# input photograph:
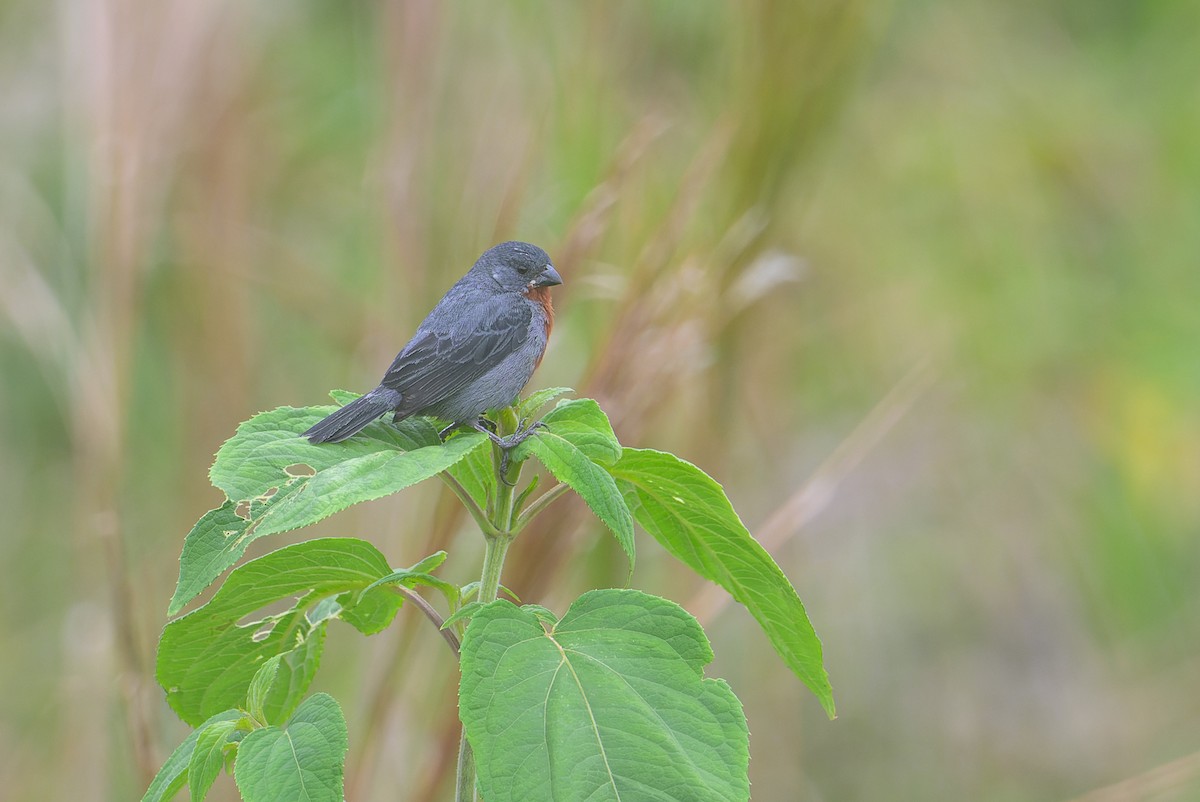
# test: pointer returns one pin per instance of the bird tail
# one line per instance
(354, 417)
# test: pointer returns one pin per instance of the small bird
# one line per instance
(474, 352)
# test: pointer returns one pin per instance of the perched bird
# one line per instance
(473, 352)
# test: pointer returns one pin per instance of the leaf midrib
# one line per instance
(612, 780)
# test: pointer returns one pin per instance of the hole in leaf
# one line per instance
(263, 632)
(267, 495)
(268, 613)
(242, 510)
(300, 469)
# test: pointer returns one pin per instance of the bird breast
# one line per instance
(541, 296)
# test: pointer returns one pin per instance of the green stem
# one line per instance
(493, 563)
(540, 503)
(478, 514)
(464, 788)
(498, 535)
(495, 549)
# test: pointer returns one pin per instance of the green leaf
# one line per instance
(471, 589)
(174, 772)
(688, 513)
(208, 757)
(275, 480)
(466, 611)
(410, 579)
(524, 495)
(529, 407)
(213, 545)
(578, 446)
(207, 658)
(429, 564)
(608, 704)
(419, 575)
(297, 667)
(584, 425)
(344, 397)
(477, 474)
(260, 685)
(544, 614)
(301, 761)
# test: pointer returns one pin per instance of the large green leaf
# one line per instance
(302, 761)
(578, 446)
(207, 658)
(174, 772)
(689, 514)
(275, 480)
(609, 703)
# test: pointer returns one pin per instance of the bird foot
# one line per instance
(508, 443)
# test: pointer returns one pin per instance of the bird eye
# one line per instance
(523, 269)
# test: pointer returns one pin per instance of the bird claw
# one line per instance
(507, 444)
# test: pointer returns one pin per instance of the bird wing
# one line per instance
(440, 361)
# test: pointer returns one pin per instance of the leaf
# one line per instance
(419, 575)
(301, 761)
(344, 397)
(688, 513)
(471, 589)
(174, 771)
(578, 446)
(410, 579)
(466, 611)
(207, 658)
(260, 685)
(609, 704)
(477, 474)
(275, 481)
(297, 667)
(213, 545)
(208, 757)
(524, 495)
(529, 407)
(582, 423)
(429, 564)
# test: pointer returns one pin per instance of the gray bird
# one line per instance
(474, 352)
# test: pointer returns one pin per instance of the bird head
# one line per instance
(518, 267)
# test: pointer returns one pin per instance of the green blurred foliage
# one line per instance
(917, 280)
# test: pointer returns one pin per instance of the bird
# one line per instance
(473, 352)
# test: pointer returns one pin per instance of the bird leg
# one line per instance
(489, 428)
(507, 444)
(442, 434)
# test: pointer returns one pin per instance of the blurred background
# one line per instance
(917, 281)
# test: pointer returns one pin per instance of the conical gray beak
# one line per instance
(548, 278)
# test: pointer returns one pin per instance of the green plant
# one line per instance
(609, 696)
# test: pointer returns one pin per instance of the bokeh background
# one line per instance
(918, 281)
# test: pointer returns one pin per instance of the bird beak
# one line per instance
(548, 277)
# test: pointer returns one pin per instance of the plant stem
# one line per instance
(498, 535)
(493, 563)
(464, 785)
(540, 503)
(430, 613)
(495, 548)
(478, 514)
